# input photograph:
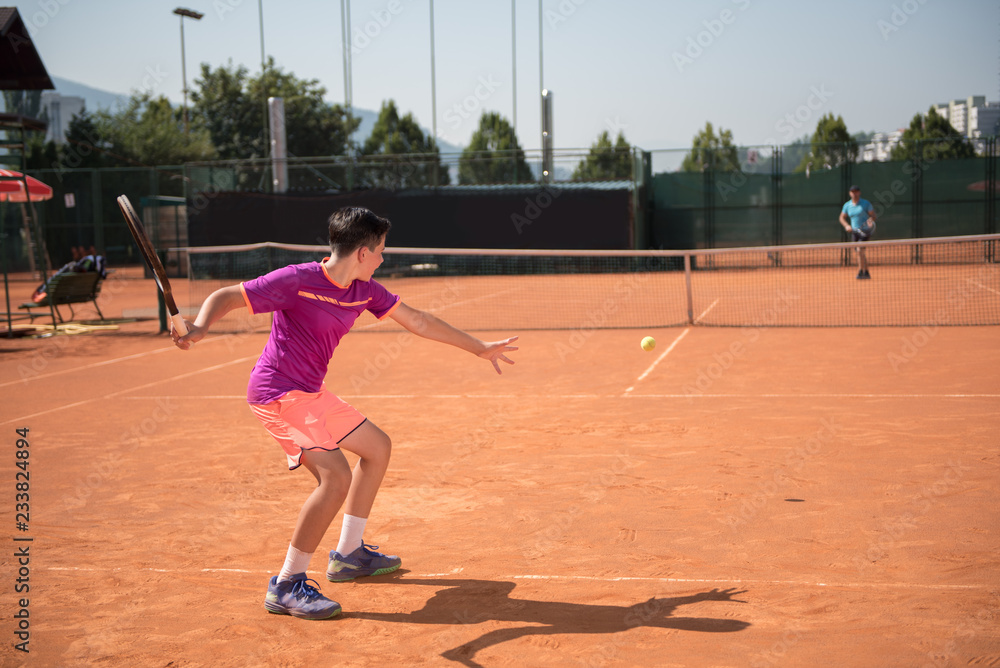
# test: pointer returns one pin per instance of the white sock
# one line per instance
(351, 534)
(296, 561)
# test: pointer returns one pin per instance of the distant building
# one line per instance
(972, 117)
(984, 121)
(59, 110)
(880, 147)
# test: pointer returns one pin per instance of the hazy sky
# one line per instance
(655, 70)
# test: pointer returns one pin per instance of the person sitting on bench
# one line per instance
(81, 263)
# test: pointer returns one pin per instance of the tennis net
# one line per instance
(940, 281)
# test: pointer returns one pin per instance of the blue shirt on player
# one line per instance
(858, 213)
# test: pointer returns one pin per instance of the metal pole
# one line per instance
(343, 42)
(541, 68)
(263, 70)
(350, 59)
(434, 116)
(513, 51)
(687, 284)
(185, 13)
(433, 80)
(184, 76)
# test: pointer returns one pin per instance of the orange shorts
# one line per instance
(308, 421)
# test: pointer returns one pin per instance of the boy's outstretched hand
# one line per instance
(495, 352)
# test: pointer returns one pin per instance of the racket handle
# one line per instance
(178, 322)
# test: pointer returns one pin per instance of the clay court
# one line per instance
(762, 496)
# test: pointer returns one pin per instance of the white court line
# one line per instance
(535, 397)
(818, 396)
(87, 366)
(658, 360)
(107, 362)
(132, 389)
(977, 283)
(588, 578)
(705, 312)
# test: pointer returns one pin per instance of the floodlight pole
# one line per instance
(433, 80)
(345, 31)
(541, 85)
(185, 13)
(513, 51)
(263, 71)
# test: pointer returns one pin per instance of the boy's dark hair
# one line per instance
(353, 227)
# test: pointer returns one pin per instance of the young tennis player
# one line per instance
(857, 217)
(314, 306)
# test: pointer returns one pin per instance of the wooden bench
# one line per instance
(68, 289)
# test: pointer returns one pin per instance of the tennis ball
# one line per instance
(648, 343)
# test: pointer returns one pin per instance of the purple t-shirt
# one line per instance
(311, 315)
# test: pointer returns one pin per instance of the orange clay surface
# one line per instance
(755, 497)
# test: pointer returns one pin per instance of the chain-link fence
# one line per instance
(742, 196)
(767, 195)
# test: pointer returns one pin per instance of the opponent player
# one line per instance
(314, 305)
(857, 217)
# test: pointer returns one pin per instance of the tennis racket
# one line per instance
(151, 258)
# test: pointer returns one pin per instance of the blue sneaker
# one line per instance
(363, 561)
(298, 598)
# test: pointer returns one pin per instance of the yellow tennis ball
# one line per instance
(648, 343)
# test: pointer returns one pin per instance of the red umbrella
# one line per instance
(13, 191)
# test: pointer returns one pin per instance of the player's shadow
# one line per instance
(464, 602)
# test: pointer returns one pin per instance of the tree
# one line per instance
(40, 154)
(709, 151)
(234, 121)
(23, 102)
(932, 138)
(493, 154)
(402, 155)
(149, 131)
(84, 146)
(231, 105)
(831, 145)
(606, 162)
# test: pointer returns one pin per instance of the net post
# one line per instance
(687, 281)
(161, 304)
